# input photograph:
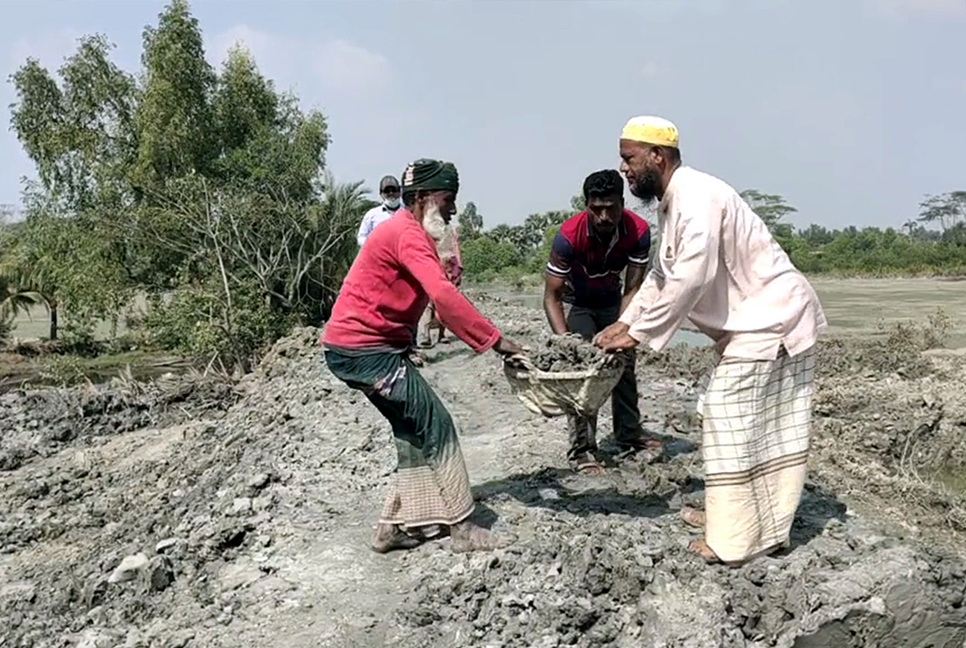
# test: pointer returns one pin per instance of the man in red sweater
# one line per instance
(367, 342)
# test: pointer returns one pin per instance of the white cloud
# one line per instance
(899, 9)
(50, 49)
(338, 66)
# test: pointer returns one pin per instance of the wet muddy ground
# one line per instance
(187, 513)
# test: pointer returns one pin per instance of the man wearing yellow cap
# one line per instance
(719, 267)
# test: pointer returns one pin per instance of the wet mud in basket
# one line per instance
(564, 353)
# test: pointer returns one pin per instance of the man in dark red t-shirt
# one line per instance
(587, 258)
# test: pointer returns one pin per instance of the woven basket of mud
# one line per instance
(566, 376)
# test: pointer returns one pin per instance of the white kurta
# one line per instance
(719, 267)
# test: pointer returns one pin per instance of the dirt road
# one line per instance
(184, 514)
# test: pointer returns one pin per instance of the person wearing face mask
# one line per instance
(367, 342)
(389, 192)
(588, 255)
(719, 267)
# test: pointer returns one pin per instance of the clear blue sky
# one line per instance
(852, 109)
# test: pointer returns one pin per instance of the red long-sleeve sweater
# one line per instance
(388, 287)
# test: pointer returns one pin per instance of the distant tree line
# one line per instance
(205, 191)
(934, 243)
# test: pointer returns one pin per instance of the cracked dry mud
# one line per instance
(182, 514)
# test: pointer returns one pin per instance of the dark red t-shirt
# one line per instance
(592, 266)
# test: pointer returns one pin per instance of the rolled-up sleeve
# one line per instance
(664, 305)
(561, 257)
(417, 256)
(641, 252)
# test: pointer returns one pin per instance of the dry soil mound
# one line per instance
(240, 517)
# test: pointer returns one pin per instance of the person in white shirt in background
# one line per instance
(719, 267)
(389, 192)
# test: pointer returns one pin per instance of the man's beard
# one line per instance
(434, 223)
(646, 186)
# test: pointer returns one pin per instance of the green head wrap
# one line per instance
(430, 175)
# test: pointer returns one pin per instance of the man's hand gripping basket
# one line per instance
(555, 393)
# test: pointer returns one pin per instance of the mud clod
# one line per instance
(567, 353)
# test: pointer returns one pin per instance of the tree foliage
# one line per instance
(206, 189)
(933, 243)
(509, 250)
(470, 222)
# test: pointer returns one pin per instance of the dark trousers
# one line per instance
(587, 322)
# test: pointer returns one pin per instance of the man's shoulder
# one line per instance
(692, 179)
(636, 225)
(571, 228)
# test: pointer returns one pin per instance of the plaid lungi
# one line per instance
(756, 417)
(431, 486)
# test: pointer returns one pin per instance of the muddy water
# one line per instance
(856, 305)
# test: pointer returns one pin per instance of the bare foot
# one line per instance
(700, 547)
(389, 537)
(470, 537)
(693, 517)
(417, 358)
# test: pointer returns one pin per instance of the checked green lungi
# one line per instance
(431, 485)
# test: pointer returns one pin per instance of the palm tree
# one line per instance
(341, 210)
(22, 288)
(13, 302)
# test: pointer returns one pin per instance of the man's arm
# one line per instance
(558, 268)
(689, 273)
(636, 262)
(553, 287)
(633, 279)
(418, 256)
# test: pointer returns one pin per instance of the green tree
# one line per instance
(175, 127)
(266, 141)
(253, 264)
(771, 208)
(470, 222)
(207, 187)
(535, 227)
(947, 210)
(80, 133)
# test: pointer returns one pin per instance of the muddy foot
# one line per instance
(700, 547)
(693, 517)
(389, 537)
(470, 537)
(417, 358)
